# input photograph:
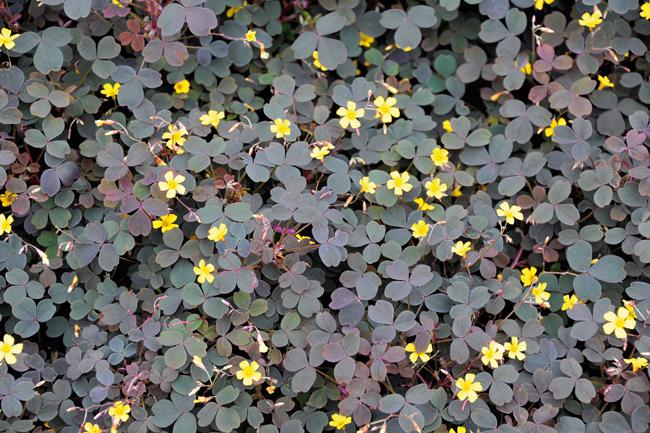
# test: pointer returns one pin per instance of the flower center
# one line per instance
(384, 109)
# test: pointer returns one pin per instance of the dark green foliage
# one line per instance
(292, 216)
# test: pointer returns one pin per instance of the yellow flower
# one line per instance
(9, 350)
(317, 62)
(198, 361)
(386, 109)
(111, 90)
(420, 229)
(120, 411)
(339, 421)
(251, 36)
(235, 10)
(365, 40)
(631, 307)
(422, 205)
(550, 130)
(248, 373)
(637, 363)
(460, 429)
(591, 20)
(528, 276)
(457, 191)
(321, 152)
(540, 293)
(182, 86)
(539, 4)
(92, 428)
(218, 234)
(7, 39)
(510, 213)
(212, 118)
(5, 223)
(446, 125)
(461, 248)
(7, 198)
(645, 11)
(436, 189)
(604, 82)
(617, 322)
(399, 182)
(527, 69)
(300, 237)
(468, 388)
(515, 348)
(492, 354)
(175, 137)
(415, 355)
(439, 156)
(349, 116)
(270, 389)
(204, 272)
(281, 127)
(172, 184)
(367, 185)
(165, 223)
(569, 302)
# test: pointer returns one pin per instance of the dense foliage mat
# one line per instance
(300, 216)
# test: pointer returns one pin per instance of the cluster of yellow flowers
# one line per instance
(204, 271)
(385, 110)
(119, 413)
(494, 351)
(399, 183)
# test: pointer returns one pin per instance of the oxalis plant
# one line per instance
(333, 216)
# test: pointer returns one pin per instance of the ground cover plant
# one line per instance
(343, 215)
